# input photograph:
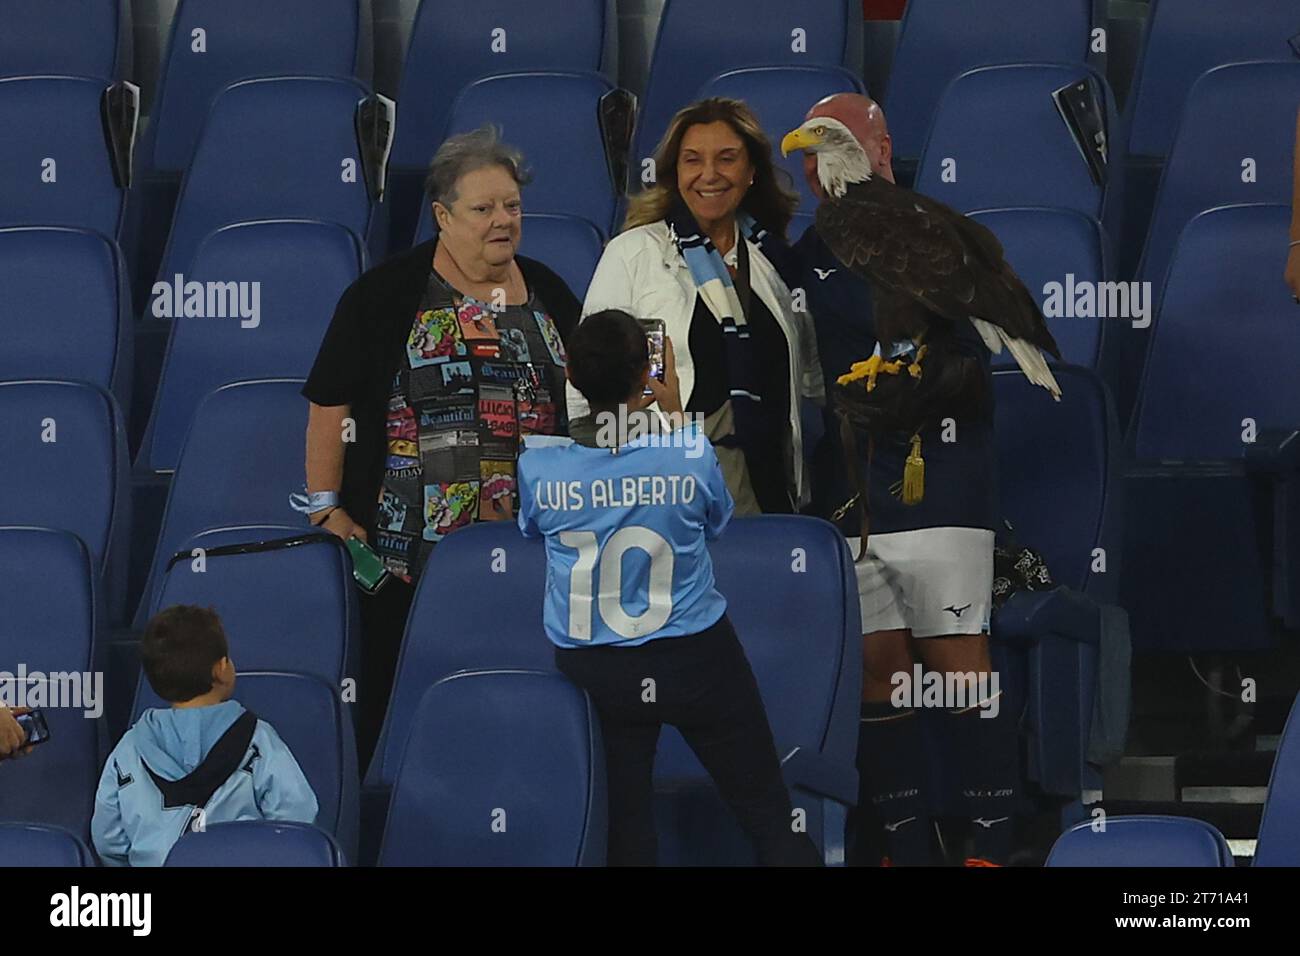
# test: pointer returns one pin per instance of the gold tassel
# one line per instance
(914, 474)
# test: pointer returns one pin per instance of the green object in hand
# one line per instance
(366, 566)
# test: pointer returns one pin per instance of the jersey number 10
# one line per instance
(610, 602)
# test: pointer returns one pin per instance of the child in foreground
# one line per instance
(203, 760)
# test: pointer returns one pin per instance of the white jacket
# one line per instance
(643, 273)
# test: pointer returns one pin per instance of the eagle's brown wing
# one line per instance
(913, 246)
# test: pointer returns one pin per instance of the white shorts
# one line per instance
(935, 582)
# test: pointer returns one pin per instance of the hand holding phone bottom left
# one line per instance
(20, 731)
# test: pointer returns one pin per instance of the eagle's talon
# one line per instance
(869, 369)
(914, 369)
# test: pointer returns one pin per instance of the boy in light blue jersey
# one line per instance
(631, 598)
(203, 760)
(646, 512)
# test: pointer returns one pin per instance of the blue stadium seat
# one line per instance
(502, 768)
(29, 844)
(65, 466)
(775, 32)
(811, 697)
(438, 644)
(1142, 841)
(554, 119)
(291, 607)
(215, 43)
(1048, 246)
(568, 245)
(279, 148)
(802, 635)
(1224, 281)
(47, 626)
(1191, 439)
(311, 719)
(66, 313)
(1279, 830)
(257, 843)
(779, 97)
(1010, 145)
(66, 37)
(455, 42)
(1184, 39)
(1242, 111)
(571, 247)
(298, 270)
(243, 455)
(1062, 498)
(57, 171)
(941, 39)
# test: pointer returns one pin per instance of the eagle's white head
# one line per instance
(840, 159)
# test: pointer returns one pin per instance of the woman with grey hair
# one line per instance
(434, 367)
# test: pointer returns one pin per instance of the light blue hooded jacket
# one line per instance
(132, 828)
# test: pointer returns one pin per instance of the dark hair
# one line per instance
(607, 357)
(771, 200)
(180, 646)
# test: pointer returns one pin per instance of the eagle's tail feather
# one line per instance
(1026, 354)
(990, 333)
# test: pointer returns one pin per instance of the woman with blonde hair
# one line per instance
(699, 251)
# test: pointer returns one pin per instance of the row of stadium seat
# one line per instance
(215, 44)
(454, 42)
(1020, 157)
(811, 684)
(287, 148)
(1063, 497)
(229, 489)
(1183, 420)
(996, 141)
(518, 752)
(1125, 841)
(502, 768)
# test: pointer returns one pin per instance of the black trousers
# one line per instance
(703, 686)
(383, 622)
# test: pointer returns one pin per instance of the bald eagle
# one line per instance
(927, 263)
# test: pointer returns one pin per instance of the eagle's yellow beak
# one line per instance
(798, 139)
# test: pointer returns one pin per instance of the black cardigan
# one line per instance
(365, 344)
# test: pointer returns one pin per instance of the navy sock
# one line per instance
(990, 771)
(891, 755)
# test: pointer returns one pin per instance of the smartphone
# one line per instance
(33, 725)
(654, 334)
(367, 568)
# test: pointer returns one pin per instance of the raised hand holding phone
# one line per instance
(667, 393)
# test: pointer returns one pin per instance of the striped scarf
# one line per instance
(715, 287)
